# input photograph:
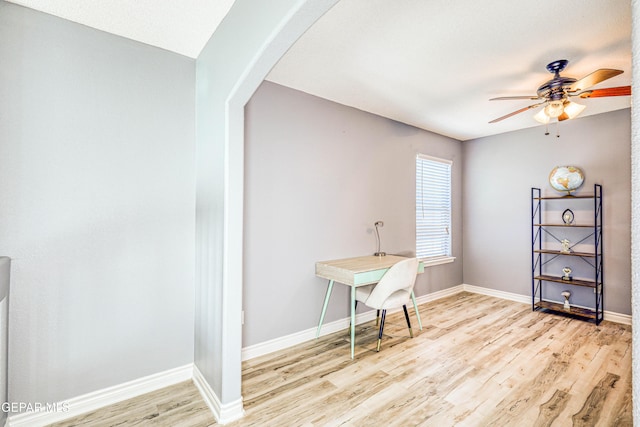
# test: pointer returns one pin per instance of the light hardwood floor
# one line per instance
(479, 361)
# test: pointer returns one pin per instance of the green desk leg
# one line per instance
(353, 320)
(415, 306)
(324, 307)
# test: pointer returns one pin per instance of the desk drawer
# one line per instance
(374, 276)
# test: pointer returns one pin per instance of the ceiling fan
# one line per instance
(556, 92)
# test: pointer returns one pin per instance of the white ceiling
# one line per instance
(433, 64)
(182, 26)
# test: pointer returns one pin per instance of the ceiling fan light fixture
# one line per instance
(554, 109)
(573, 109)
(542, 117)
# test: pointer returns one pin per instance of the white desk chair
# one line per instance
(392, 291)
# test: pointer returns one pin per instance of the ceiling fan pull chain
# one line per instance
(546, 128)
(557, 129)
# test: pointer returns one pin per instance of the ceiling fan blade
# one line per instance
(611, 91)
(505, 98)
(516, 112)
(594, 78)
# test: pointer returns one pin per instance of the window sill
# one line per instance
(430, 262)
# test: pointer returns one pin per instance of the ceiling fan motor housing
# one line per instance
(554, 89)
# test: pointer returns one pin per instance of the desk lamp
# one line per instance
(378, 224)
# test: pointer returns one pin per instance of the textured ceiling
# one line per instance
(182, 26)
(433, 64)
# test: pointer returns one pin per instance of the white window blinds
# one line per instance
(433, 207)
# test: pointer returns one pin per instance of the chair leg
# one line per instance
(384, 314)
(377, 317)
(406, 316)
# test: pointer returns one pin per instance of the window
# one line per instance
(433, 210)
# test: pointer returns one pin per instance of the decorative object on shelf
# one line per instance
(567, 274)
(566, 246)
(379, 224)
(566, 178)
(567, 217)
(566, 295)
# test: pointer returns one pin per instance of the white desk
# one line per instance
(354, 272)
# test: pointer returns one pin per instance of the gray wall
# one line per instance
(317, 176)
(97, 208)
(498, 175)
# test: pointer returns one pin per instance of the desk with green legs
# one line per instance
(354, 272)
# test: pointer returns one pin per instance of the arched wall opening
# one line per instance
(227, 78)
(247, 44)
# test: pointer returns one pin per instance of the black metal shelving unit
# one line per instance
(540, 256)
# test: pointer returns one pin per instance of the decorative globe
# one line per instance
(566, 178)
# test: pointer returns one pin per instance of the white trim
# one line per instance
(433, 261)
(105, 397)
(435, 159)
(498, 294)
(223, 413)
(611, 316)
(439, 294)
(296, 338)
(287, 341)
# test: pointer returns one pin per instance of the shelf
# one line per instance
(566, 225)
(558, 279)
(544, 275)
(584, 313)
(582, 196)
(580, 254)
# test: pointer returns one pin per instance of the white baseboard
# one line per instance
(286, 341)
(610, 316)
(440, 294)
(223, 413)
(281, 343)
(526, 299)
(625, 319)
(98, 399)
